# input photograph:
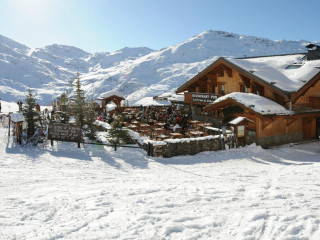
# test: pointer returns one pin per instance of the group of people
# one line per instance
(173, 117)
(106, 117)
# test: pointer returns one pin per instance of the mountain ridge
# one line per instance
(135, 72)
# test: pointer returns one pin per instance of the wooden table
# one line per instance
(159, 130)
(133, 127)
(196, 133)
(176, 135)
(162, 137)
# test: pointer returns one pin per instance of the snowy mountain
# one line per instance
(135, 72)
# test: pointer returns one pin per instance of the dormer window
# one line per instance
(294, 66)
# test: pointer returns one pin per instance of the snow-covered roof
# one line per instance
(148, 101)
(176, 98)
(274, 69)
(111, 93)
(255, 102)
(238, 120)
(165, 95)
(17, 117)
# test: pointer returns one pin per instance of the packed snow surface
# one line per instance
(62, 192)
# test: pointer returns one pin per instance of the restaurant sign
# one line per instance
(203, 97)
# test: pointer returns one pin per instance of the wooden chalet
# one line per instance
(290, 83)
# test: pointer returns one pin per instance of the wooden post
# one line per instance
(18, 132)
(115, 146)
(9, 124)
(51, 142)
(149, 149)
(78, 144)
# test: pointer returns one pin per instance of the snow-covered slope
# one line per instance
(63, 192)
(136, 72)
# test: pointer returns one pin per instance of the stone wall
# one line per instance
(217, 122)
(251, 137)
(280, 139)
(185, 146)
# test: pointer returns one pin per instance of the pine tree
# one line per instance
(79, 108)
(63, 114)
(117, 134)
(30, 114)
(90, 120)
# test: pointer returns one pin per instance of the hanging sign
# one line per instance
(203, 97)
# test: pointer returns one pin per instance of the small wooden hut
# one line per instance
(17, 119)
(111, 96)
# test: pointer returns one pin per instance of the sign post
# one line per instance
(65, 132)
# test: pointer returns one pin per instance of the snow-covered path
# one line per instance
(63, 192)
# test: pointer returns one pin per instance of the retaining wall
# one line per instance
(185, 146)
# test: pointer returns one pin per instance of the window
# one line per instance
(243, 88)
(258, 89)
(222, 89)
(213, 88)
(294, 66)
(221, 73)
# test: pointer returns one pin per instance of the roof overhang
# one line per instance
(306, 87)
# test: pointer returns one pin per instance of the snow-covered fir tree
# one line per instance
(90, 120)
(117, 134)
(63, 113)
(29, 111)
(79, 106)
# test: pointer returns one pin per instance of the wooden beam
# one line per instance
(290, 121)
(266, 122)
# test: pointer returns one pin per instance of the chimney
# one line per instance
(313, 52)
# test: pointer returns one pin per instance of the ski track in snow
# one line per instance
(63, 192)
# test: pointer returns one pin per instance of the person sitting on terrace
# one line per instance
(176, 128)
(100, 118)
(166, 125)
(179, 119)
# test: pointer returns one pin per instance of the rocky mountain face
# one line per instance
(135, 72)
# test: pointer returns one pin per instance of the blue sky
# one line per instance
(109, 25)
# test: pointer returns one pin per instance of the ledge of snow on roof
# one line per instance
(111, 93)
(257, 103)
(238, 120)
(149, 101)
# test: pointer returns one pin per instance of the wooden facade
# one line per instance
(223, 77)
